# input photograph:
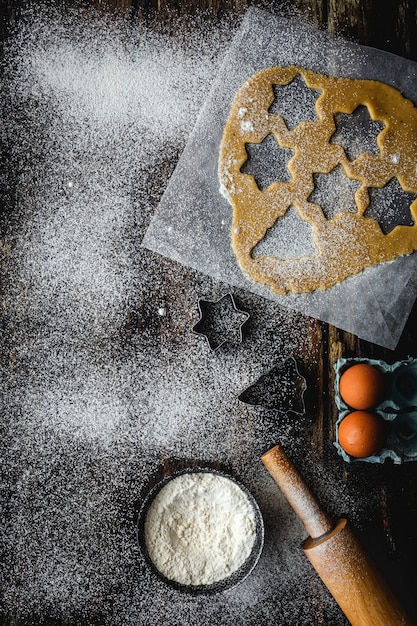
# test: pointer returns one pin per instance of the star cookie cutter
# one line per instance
(282, 388)
(220, 321)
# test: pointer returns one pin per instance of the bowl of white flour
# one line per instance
(200, 531)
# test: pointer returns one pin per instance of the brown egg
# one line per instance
(362, 386)
(362, 434)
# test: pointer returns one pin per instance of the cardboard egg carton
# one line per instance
(398, 409)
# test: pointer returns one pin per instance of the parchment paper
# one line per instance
(193, 221)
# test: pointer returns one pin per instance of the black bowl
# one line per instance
(226, 583)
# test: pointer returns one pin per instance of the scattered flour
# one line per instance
(97, 384)
(246, 126)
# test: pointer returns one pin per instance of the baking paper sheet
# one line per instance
(193, 221)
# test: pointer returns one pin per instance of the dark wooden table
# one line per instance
(389, 527)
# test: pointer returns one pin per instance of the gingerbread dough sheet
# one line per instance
(349, 241)
(194, 222)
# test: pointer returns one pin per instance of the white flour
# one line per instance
(101, 374)
(200, 528)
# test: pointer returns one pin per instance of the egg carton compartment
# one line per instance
(400, 383)
(387, 452)
(402, 436)
(398, 410)
(401, 440)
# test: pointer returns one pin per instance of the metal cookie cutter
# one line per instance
(220, 321)
(281, 388)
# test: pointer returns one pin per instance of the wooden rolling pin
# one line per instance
(336, 555)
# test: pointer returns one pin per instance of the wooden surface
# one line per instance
(391, 534)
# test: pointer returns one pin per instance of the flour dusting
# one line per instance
(101, 374)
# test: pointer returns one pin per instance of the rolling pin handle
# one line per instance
(336, 555)
(298, 494)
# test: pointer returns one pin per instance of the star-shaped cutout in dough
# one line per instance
(220, 321)
(334, 192)
(390, 206)
(356, 132)
(282, 388)
(295, 102)
(267, 162)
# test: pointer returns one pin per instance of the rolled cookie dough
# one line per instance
(349, 241)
